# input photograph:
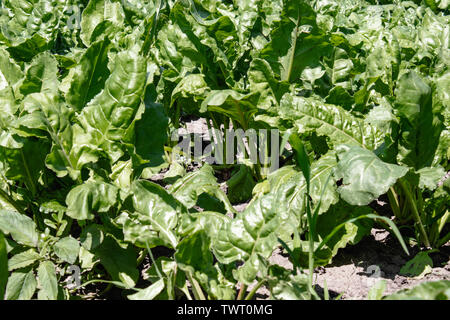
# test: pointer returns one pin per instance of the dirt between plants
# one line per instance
(355, 269)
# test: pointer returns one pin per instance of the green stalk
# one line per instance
(443, 220)
(311, 252)
(252, 293)
(326, 294)
(393, 201)
(242, 292)
(187, 293)
(116, 283)
(196, 289)
(415, 212)
(154, 261)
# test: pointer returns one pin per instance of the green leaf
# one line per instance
(350, 234)
(47, 280)
(26, 164)
(364, 176)
(22, 228)
(155, 218)
(284, 285)
(289, 185)
(433, 290)
(96, 12)
(419, 266)
(262, 79)
(212, 43)
(150, 292)
(92, 236)
(237, 106)
(188, 189)
(377, 290)
(23, 259)
(429, 177)
(41, 75)
(250, 237)
(89, 198)
(89, 75)
(70, 149)
(10, 71)
(189, 92)
(420, 124)
(30, 28)
(296, 42)
(240, 185)
(108, 117)
(207, 221)
(371, 216)
(67, 249)
(21, 285)
(3, 266)
(194, 257)
(87, 259)
(119, 262)
(151, 133)
(339, 125)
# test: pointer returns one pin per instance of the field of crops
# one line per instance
(234, 149)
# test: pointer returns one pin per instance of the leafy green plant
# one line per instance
(92, 91)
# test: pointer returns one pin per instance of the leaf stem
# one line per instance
(252, 293)
(393, 201)
(196, 289)
(242, 292)
(415, 212)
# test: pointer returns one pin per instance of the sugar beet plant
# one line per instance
(92, 91)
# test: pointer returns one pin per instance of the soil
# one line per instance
(357, 268)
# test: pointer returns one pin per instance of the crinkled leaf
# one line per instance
(284, 285)
(339, 125)
(92, 236)
(155, 218)
(188, 189)
(89, 198)
(107, 118)
(420, 123)
(364, 176)
(250, 237)
(96, 12)
(193, 256)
